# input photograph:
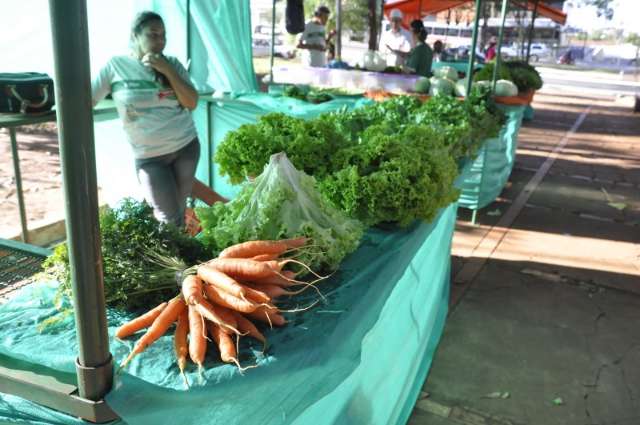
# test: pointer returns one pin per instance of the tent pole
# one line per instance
(188, 26)
(500, 36)
(273, 40)
(94, 365)
(472, 51)
(338, 30)
(531, 28)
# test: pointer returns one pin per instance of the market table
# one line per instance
(104, 111)
(483, 178)
(361, 358)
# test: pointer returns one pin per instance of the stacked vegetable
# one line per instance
(221, 298)
(282, 202)
(392, 161)
(513, 77)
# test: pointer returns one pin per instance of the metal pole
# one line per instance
(533, 20)
(338, 30)
(188, 29)
(472, 52)
(19, 193)
(500, 35)
(273, 40)
(94, 365)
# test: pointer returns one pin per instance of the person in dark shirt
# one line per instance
(421, 56)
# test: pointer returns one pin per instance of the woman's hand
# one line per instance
(186, 94)
(157, 62)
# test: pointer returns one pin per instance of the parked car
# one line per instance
(261, 46)
(538, 51)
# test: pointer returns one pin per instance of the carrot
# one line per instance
(265, 257)
(228, 352)
(256, 295)
(192, 289)
(158, 327)
(140, 322)
(219, 279)
(272, 291)
(286, 279)
(198, 337)
(268, 315)
(180, 343)
(250, 249)
(225, 299)
(218, 315)
(245, 269)
(247, 327)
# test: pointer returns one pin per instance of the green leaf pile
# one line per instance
(130, 234)
(282, 202)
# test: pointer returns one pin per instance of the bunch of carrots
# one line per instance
(221, 299)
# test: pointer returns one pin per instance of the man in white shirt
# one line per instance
(313, 40)
(396, 42)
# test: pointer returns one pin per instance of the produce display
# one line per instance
(392, 161)
(130, 236)
(523, 75)
(282, 202)
(310, 95)
(221, 298)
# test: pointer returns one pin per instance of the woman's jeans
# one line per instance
(167, 181)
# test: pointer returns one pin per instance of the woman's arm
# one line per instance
(186, 94)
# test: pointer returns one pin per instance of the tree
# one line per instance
(603, 7)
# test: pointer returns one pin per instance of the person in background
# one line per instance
(313, 40)
(439, 55)
(396, 41)
(421, 56)
(154, 98)
(490, 53)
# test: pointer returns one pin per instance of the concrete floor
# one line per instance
(546, 329)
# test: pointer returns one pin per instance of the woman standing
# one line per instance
(154, 97)
(421, 56)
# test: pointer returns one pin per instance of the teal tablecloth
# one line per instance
(359, 359)
(483, 179)
(215, 118)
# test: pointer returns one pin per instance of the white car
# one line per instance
(261, 46)
(538, 51)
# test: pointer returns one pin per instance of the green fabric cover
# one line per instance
(483, 179)
(217, 117)
(220, 46)
(360, 359)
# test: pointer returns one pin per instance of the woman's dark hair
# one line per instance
(416, 24)
(321, 10)
(438, 46)
(142, 19)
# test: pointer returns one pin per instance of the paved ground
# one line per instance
(546, 329)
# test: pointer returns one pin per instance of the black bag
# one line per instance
(26, 92)
(294, 12)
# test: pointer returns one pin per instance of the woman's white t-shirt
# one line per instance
(314, 34)
(153, 119)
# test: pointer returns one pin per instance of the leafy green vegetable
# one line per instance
(486, 73)
(525, 76)
(391, 177)
(282, 203)
(130, 235)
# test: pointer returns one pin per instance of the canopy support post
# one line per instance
(531, 28)
(474, 42)
(273, 40)
(505, 4)
(338, 44)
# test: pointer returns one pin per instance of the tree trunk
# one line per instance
(373, 25)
